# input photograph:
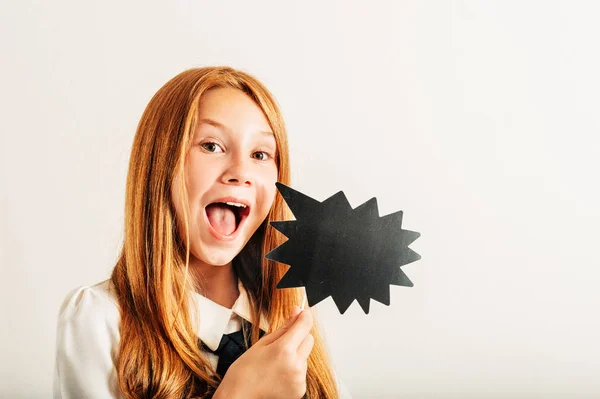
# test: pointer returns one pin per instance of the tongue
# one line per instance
(221, 218)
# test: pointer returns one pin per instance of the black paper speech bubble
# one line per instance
(347, 253)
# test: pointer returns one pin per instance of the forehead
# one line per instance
(232, 108)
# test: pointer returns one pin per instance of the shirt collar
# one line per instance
(213, 318)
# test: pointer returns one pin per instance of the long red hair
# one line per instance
(159, 355)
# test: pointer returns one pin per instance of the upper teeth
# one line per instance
(236, 204)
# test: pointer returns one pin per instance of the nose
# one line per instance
(238, 173)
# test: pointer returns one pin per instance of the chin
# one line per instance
(216, 256)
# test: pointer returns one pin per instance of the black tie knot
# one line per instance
(231, 347)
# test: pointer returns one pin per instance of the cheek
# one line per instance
(177, 201)
(176, 198)
(271, 191)
(194, 180)
(200, 175)
(268, 191)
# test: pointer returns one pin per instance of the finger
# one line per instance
(306, 346)
(272, 337)
(296, 333)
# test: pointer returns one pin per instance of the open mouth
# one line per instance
(226, 217)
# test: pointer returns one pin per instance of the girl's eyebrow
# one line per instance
(225, 128)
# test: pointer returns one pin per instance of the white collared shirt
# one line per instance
(216, 320)
(88, 337)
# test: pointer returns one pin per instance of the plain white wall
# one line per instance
(479, 119)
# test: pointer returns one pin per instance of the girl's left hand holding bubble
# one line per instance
(274, 367)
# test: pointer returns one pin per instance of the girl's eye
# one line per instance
(211, 147)
(261, 156)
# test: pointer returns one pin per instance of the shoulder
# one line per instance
(97, 297)
(343, 391)
(86, 343)
(91, 306)
(88, 317)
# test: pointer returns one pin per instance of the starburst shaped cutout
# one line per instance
(334, 250)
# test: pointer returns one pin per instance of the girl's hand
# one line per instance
(274, 367)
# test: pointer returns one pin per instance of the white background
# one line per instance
(478, 119)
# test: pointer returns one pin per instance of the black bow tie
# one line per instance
(231, 347)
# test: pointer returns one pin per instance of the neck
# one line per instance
(217, 283)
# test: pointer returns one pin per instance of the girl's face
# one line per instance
(230, 174)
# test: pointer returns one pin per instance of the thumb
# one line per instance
(272, 337)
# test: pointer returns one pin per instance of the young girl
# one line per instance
(191, 309)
